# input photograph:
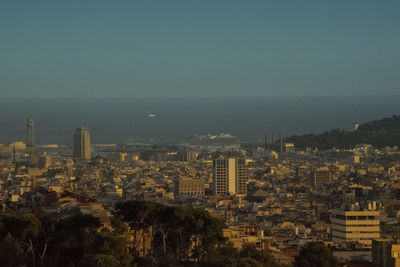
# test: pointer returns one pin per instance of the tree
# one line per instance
(316, 254)
(21, 230)
(99, 260)
(262, 257)
(71, 240)
(11, 252)
(109, 243)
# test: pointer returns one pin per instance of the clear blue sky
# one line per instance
(192, 48)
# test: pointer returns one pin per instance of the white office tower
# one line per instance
(230, 176)
(354, 224)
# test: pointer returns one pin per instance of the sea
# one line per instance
(173, 120)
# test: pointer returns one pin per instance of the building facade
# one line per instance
(321, 176)
(81, 147)
(30, 134)
(230, 176)
(189, 187)
(355, 225)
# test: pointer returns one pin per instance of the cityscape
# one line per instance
(188, 133)
(267, 196)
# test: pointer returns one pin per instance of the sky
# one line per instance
(199, 48)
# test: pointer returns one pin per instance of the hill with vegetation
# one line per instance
(379, 133)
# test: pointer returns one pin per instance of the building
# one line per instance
(301, 171)
(289, 147)
(190, 155)
(81, 147)
(230, 176)
(386, 253)
(189, 187)
(44, 160)
(352, 224)
(321, 176)
(30, 134)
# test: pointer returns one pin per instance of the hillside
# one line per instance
(379, 133)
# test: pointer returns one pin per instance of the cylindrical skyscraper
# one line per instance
(30, 133)
(81, 147)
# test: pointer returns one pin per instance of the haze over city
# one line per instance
(200, 133)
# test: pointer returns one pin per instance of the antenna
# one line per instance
(14, 152)
(273, 141)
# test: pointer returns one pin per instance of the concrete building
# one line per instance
(189, 187)
(386, 253)
(30, 133)
(44, 161)
(230, 176)
(190, 155)
(81, 147)
(289, 147)
(356, 225)
(321, 176)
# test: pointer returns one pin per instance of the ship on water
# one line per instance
(214, 142)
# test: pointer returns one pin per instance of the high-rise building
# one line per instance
(230, 176)
(30, 133)
(354, 224)
(81, 147)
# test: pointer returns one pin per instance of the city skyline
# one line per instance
(200, 133)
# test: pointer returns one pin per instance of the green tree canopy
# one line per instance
(316, 254)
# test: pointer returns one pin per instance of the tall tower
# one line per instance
(30, 134)
(265, 142)
(81, 147)
(230, 176)
(273, 141)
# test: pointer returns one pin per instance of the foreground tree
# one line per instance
(316, 254)
(11, 252)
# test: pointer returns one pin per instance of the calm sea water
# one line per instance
(119, 120)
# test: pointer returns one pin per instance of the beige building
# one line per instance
(289, 147)
(241, 235)
(190, 155)
(352, 224)
(386, 253)
(189, 187)
(81, 147)
(230, 176)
